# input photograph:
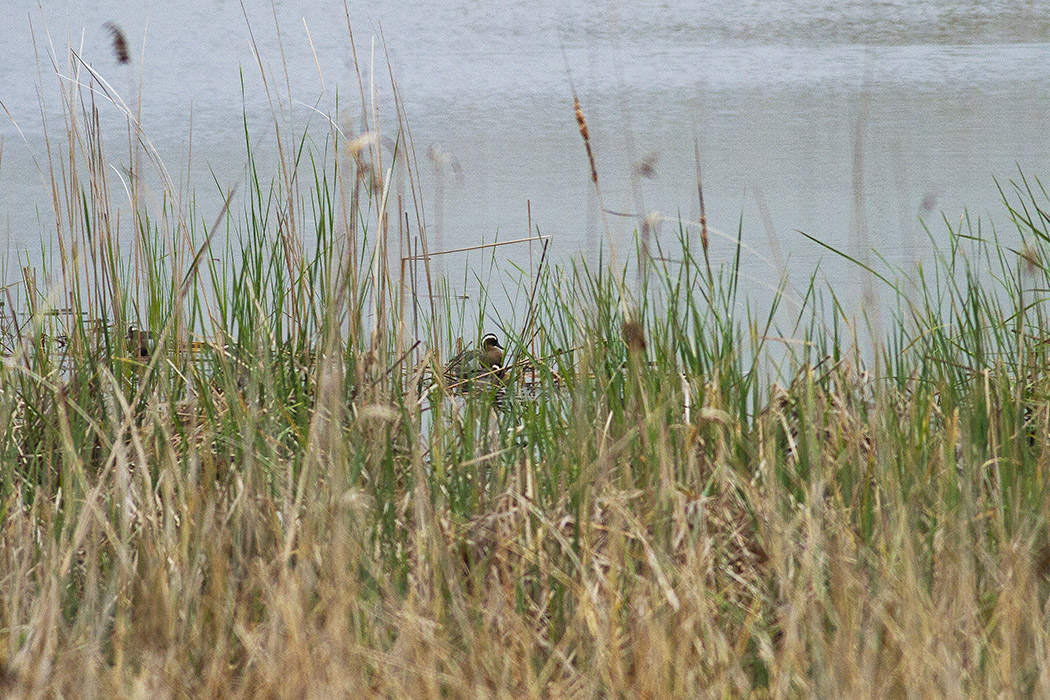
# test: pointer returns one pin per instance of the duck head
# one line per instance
(139, 341)
(491, 351)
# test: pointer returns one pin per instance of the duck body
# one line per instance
(483, 363)
(140, 342)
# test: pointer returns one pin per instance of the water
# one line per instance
(802, 112)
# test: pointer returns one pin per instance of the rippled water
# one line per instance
(802, 111)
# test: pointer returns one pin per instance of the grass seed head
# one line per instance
(1030, 258)
(633, 335)
(120, 43)
(586, 134)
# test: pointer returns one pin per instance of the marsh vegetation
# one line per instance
(675, 494)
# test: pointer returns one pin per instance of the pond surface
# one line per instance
(851, 121)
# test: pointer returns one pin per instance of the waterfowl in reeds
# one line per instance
(140, 342)
(484, 363)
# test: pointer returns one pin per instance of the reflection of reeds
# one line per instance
(646, 167)
(862, 246)
(441, 159)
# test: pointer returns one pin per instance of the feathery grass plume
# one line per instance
(359, 148)
(1030, 258)
(634, 335)
(120, 43)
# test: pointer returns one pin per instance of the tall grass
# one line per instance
(691, 497)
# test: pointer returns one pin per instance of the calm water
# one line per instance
(941, 97)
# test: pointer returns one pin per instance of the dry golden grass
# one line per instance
(688, 560)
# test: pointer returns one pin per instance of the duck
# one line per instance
(140, 342)
(485, 362)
